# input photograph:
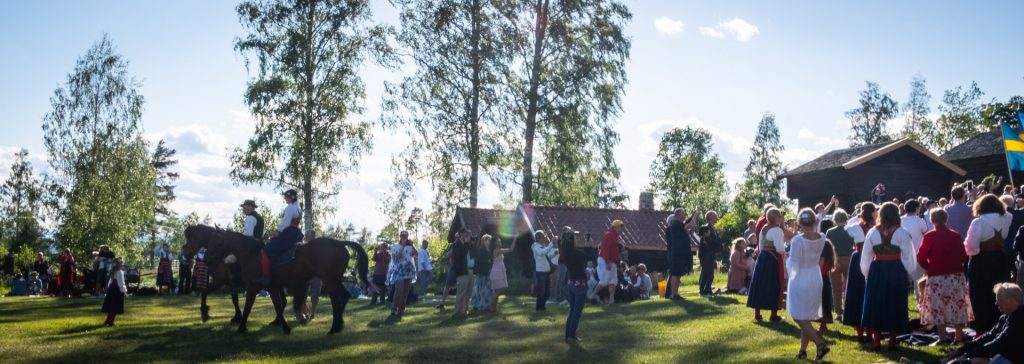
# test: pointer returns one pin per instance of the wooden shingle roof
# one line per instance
(981, 145)
(852, 157)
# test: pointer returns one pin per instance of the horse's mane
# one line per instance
(245, 240)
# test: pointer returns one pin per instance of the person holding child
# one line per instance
(113, 303)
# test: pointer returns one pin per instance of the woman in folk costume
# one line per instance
(113, 303)
(767, 283)
(805, 282)
(164, 275)
(285, 237)
(945, 298)
(853, 301)
(66, 278)
(887, 259)
(988, 263)
(201, 272)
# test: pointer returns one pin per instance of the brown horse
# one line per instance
(325, 258)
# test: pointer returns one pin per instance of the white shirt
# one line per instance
(856, 233)
(250, 225)
(119, 279)
(424, 261)
(984, 228)
(291, 212)
(773, 235)
(408, 254)
(541, 254)
(900, 238)
(916, 226)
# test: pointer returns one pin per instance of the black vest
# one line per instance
(257, 231)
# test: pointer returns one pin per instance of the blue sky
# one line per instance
(718, 65)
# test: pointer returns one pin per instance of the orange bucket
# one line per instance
(662, 287)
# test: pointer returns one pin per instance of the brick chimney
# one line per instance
(646, 201)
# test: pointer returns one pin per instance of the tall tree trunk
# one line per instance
(531, 112)
(307, 125)
(474, 118)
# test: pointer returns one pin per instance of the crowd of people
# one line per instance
(958, 257)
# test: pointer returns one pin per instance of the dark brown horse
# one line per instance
(325, 258)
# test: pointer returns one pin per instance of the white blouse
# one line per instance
(984, 228)
(856, 233)
(900, 238)
(773, 235)
(291, 212)
(119, 279)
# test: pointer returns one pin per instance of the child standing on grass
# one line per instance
(113, 303)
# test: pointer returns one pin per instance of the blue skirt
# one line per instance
(885, 297)
(114, 301)
(283, 242)
(853, 302)
(765, 286)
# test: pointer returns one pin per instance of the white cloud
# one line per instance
(811, 137)
(668, 26)
(711, 32)
(738, 28)
(653, 132)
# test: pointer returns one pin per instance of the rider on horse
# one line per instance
(285, 238)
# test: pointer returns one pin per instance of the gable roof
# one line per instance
(981, 145)
(852, 157)
(643, 230)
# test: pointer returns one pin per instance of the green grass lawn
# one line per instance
(168, 329)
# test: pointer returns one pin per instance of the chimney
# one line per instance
(646, 201)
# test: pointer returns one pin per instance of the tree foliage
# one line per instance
(917, 126)
(21, 200)
(996, 112)
(869, 120)
(960, 117)
(306, 93)
(453, 107)
(567, 78)
(688, 173)
(761, 183)
(102, 173)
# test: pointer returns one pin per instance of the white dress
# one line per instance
(803, 301)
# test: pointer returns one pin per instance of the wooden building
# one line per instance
(642, 235)
(903, 166)
(982, 156)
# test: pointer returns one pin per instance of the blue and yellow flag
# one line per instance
(1014, 145)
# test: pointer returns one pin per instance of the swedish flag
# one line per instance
(1014, 145)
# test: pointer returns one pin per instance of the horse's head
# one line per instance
(198, 237)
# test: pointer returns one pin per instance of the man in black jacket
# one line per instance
(1001, 344)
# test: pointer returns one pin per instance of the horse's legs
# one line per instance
(250, 296)
(282, 303)
(275, 298)
(339, 299)
(204, 310)
(234, 301)
(299, 303)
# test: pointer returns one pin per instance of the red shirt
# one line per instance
(609, 249)
(942, 252)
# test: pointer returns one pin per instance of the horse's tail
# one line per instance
(362, 261)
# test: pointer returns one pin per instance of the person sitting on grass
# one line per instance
(1002, 343)
(591, 278)
(642, 285)
(35, 286)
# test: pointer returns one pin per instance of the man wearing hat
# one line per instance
(253, 220)
(285, 237)
(608, 260)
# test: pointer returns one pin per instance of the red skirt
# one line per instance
(202, 275)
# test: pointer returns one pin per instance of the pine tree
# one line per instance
(761, 183)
